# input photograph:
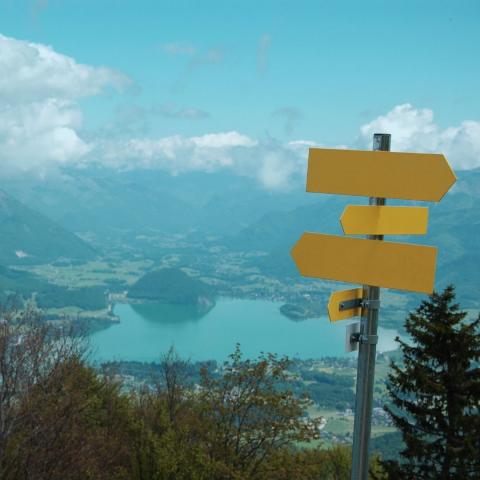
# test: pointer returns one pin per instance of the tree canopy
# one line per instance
(170, 285)
(435, 393)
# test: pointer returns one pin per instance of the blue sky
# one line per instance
(273, 71)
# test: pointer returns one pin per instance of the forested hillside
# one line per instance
(63, 420)
(171, 285)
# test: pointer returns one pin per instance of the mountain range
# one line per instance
(107, 202)
(236, 210)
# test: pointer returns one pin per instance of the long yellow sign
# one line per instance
(381, 220)
(338, 300)
(369, 262)
(410, 176)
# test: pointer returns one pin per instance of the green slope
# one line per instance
(28, 237)
(16, 282)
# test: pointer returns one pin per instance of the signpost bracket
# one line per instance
(355, 337)
(350, 304)
(357, 303)
(369, 339)
(352, 336)
(359, 338)
(371, 304)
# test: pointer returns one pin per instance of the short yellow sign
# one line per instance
(339, 307)
(369, 262)
(381, 220)
(411, 176)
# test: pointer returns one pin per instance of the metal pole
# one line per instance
(366, 355)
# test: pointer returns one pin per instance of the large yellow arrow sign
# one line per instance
(370, 262)
(376, 220)
(411, 176)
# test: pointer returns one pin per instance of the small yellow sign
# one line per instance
(381, 220)
(338, 308)
(370, 262)
(411, 176)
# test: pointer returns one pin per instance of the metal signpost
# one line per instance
(367, 347)
(378, 174)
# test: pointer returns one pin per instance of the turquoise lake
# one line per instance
(146, 331)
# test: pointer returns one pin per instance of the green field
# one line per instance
(92, 273)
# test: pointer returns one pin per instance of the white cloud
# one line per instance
(32, 71)
(223, 140)
(281, 166)
(189, 113)
(415, 130)
(39, 114)
(41, 121)
(280, 169)
(462, 145)
(37, 136)
(176, 153)
(275, 166)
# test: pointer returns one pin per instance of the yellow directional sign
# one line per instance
(376, 220)
(411, 176)
(370, 262)
(343, 305)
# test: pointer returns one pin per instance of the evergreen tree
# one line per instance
(436, 393)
